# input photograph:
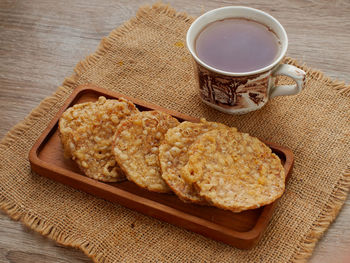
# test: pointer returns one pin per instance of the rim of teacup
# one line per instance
(190, 39)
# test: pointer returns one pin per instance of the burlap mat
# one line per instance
(146, 58)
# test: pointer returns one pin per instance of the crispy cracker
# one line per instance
(86, 132)
(136, 148)
(173, 156)
(234, 171)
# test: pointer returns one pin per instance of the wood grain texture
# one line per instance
(41, 41)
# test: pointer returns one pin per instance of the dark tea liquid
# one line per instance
(237, 45)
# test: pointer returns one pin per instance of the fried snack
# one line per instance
(234, 171)
(173, 156)
(136, 148)
(86, 132)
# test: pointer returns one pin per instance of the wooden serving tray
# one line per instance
(242, 230)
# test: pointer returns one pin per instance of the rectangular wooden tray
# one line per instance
(242, 230)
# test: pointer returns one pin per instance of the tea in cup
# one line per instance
(238, 52)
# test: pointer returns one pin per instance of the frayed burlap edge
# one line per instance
(307, 243)
(325, 218)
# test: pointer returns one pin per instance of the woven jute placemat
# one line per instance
(146, 58)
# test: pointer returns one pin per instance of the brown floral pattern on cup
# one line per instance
(233, 92)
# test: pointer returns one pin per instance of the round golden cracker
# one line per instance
(234, 171)
(173, 156)
(86, 132)
(136, 148)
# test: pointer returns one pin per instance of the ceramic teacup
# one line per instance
(238, 93)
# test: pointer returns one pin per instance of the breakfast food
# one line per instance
(86, 132)
(206, 163)
(136, 148)
(234, 171)
(173, 156)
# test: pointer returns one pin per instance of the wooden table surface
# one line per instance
(41, 41)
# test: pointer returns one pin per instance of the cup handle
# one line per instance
(294, 73)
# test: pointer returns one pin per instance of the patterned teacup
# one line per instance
(238, 93)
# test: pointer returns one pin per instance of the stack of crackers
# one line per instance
(205, 163)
